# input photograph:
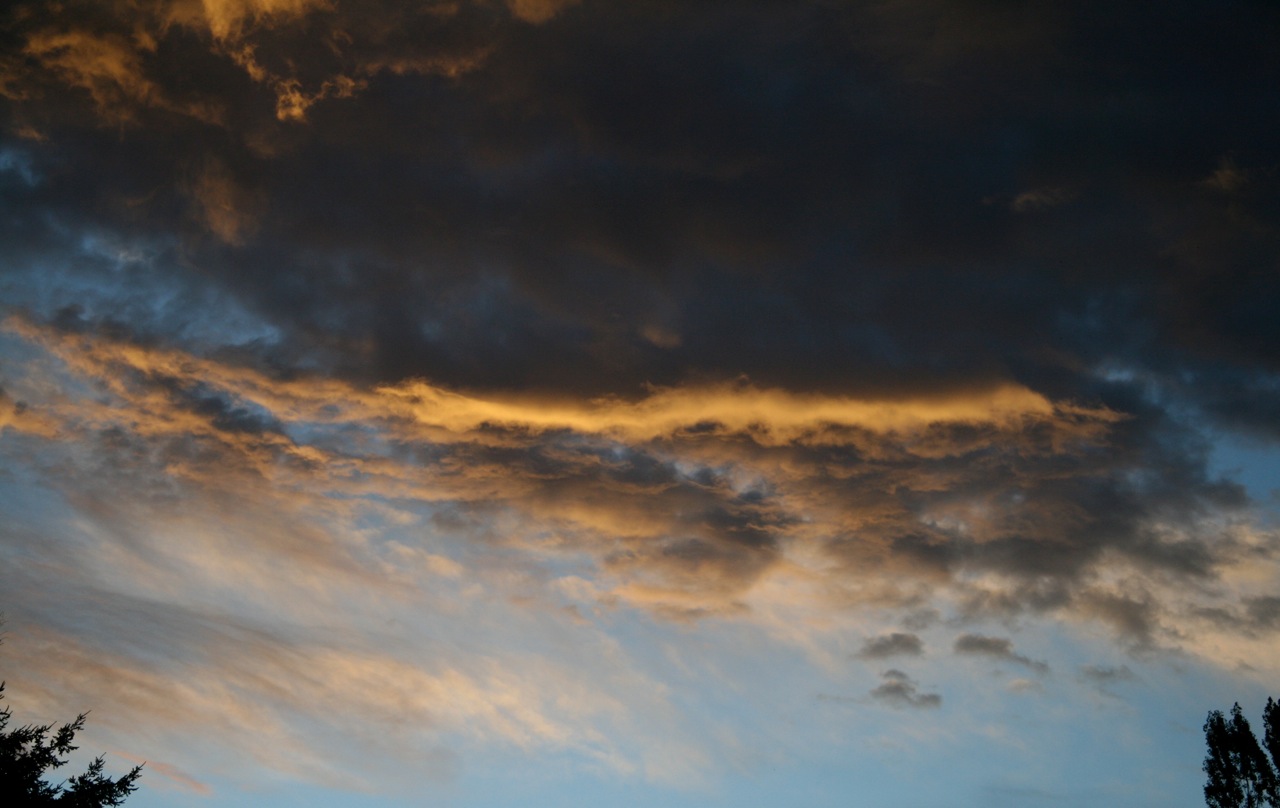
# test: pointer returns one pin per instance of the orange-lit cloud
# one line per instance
(688, 502)
(119, 72)
(770, 416)
(537, 11)
(110, 69)
(229, 19)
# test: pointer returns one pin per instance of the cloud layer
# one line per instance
(442, 351)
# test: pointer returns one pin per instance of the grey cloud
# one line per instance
(1264, 611)
(997, 648)
(900, 690)
(978, 644)
(1104, 677)
(225, 415)
(922, 618)
(1133, 618)
(889, 645)
(1256, 616)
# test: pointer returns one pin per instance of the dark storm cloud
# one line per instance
(484, 193)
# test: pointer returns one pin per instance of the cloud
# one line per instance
(770, 415)
(690, 502)
(1103, 678)
(728, 176)
(1133, 617)
(1103, 674)
(228, 19)
(175, 775)
(230, 211)
(123, 64)
(997, 648)
(538, 11)
(110, 69)
(1228, 178)
(1264, 611)
(900, 690)
(1022, 685)
(270, 684)
(1039, 199)
(268, 606)
(978, 644)
(888, 645)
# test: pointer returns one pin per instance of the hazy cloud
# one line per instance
(1104, 674)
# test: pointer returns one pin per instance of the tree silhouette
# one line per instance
(1239, 773)
(28, 752)
(1271, 723)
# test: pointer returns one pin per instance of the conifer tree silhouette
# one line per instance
(29, 752)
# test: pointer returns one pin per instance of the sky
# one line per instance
(584, 402)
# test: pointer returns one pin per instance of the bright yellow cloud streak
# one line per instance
(772, 416)
(769, 416)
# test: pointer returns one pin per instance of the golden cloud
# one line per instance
(538, 11)
(230, 19)
(771, 417)
(685, 538)
(109, 68)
